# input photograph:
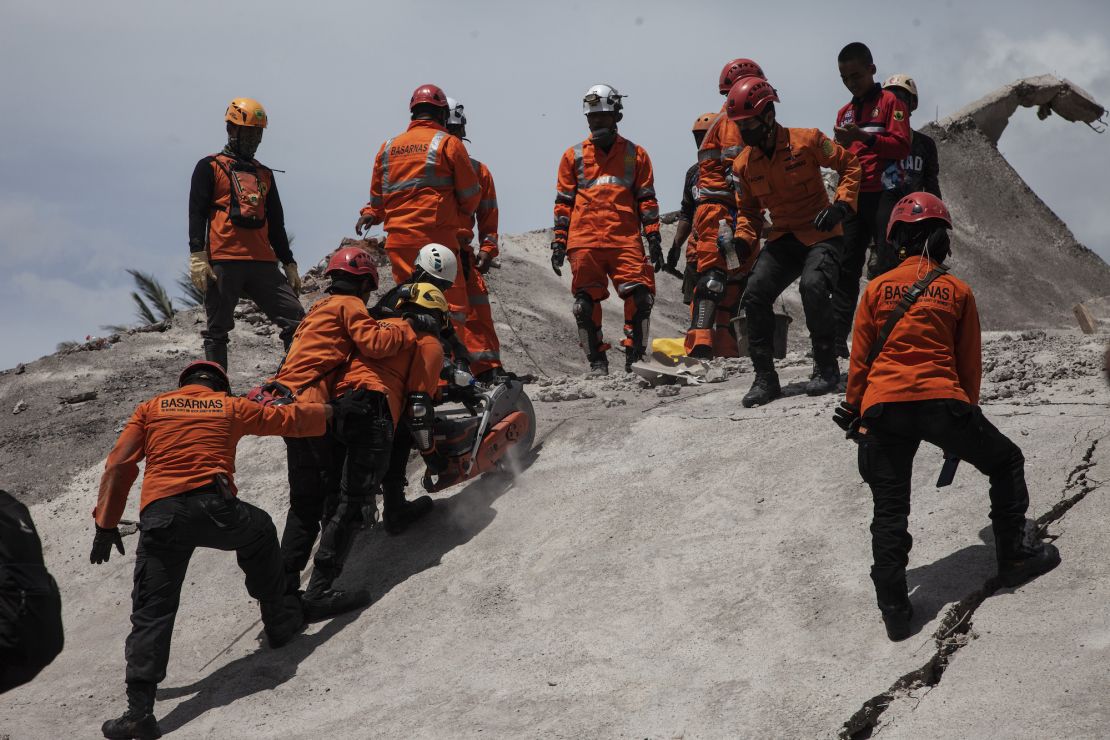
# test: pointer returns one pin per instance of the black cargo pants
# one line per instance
(171, 529)
(868, 224)
(314, 466)
(779, 264)
(886, 452)
(263, 283)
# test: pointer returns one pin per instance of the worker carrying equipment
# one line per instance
(237, 234)
(712, 308)
(477, 332)
(423, 190)
(605, 198)
(188, 437)
(780, 172)
(914, 376)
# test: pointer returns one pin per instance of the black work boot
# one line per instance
(632, 354)
(701, 352)
(598, 367)
(1022, 557)
(826, 372)
(894, 603)
(397, 513)
(138, 721)
(282, 620)
(765, 388)
(325, 603)
(216, 352)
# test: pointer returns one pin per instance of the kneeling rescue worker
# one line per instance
(188, 437)
(915, 374)
(605, 194)
(780, 170)
(336, 329)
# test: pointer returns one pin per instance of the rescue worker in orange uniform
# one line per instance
(717, 291)
(478, 333)
(409, 381)
(875, 126)
(336, 329)
(188, 437)
(237, 234)
(605, 197)
(780, 171)
(684, 227)
(423, 188)
(918, 380)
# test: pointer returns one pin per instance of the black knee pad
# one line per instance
(644, 300)
(584, 310)
(708, 292)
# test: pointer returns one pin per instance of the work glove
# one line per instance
(423, 323)
(829, 217)
(655, 251)
(348, 404)
(102, 544)
(558, 256)
(293, 277)
(200, 272)
(672, 258)
(363, 223)
(847, 418)
(740, 246)
(483, 262)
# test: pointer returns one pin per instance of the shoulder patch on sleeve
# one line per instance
(826, 146)
(899, 115)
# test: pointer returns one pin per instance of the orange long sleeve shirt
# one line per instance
(336, 328)
(933, 351)
(188, 436)
(603, 198)
(485, 218)
(415, 369)
(789, 185)
(423, 187)
(720, 147)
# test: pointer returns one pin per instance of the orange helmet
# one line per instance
(246, 112)
(702, 122)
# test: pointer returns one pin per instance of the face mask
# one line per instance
(755, 136)
(604, 137)
(245, 144)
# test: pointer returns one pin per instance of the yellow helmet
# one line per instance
(426, 296)
(702, 122)
(246, 112)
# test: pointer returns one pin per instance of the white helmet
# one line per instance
(438, 262)
(455, 115)
(602, 99)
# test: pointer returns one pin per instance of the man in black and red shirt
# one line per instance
(875, 126)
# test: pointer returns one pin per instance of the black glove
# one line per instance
(655, 251)
(847, 418)
(351, 403)
(102, 544)
(423, 323)
(672, 258)
(828, 218)
(558, 256)
(742, 248)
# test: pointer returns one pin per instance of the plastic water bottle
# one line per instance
(724, 244)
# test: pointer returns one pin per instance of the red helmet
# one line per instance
(430, 95)
(735, 70)
(213, 370)
(749, 97)
(353, 261)
(918, 207)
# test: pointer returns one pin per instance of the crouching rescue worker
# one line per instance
(914, 377)
(605, 196)
(780, 170)
(404, 386)
(188, 437)
(478, 332)
(717, 285)
(422, 190)
(237, 234)
(336, 329)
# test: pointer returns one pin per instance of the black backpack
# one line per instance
(30, 605)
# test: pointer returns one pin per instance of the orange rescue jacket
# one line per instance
(603, 198)
(415, 369)
(789, 185)
(423, 188)
(226, 241)
(336, 328)
(188, 436)
(486, 216)
(721, 145)
(933, 351)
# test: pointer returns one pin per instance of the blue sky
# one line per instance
(108, 105)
